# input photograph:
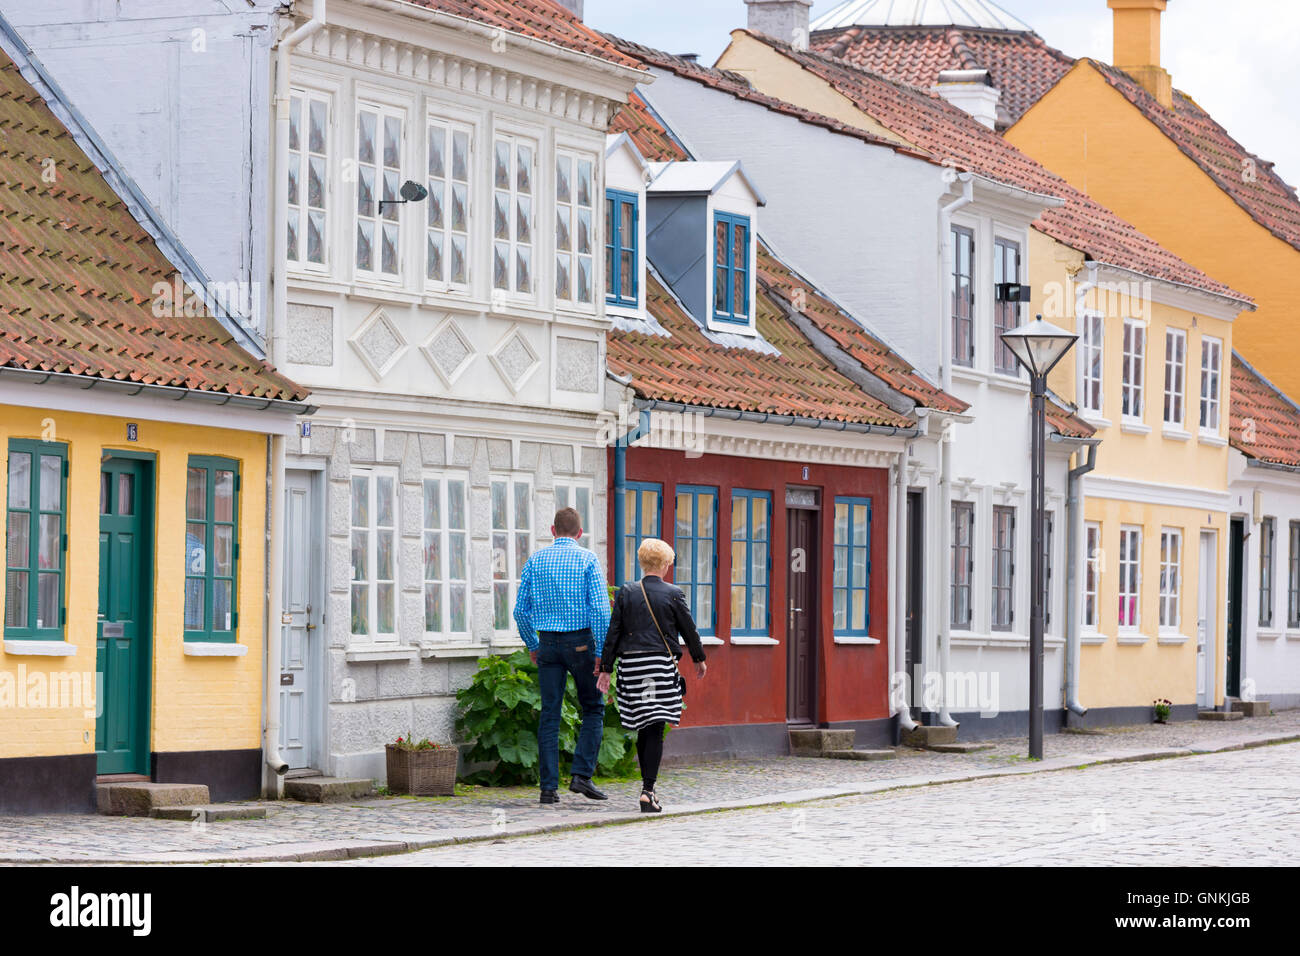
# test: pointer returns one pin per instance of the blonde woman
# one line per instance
(650, 617)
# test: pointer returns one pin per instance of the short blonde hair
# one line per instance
(655, 554)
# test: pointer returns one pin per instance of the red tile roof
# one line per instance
(953, 136)
(1021, 66)
(1268, 199)
(77, 272)
(539, 19)
(644, 129)
(1263, 424)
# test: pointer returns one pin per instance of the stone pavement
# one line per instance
(294, 831)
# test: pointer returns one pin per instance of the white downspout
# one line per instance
(900, 702)
(275, 763)
(1076, 542)
(945, 439)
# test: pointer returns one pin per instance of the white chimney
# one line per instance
(573, 6)
(972, 91)
(784, 20)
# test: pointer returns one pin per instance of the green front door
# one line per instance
(125, 601)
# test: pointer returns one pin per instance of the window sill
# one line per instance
(1007, 382)
(1092, 638)
(1176, 434)
(755, 640)
(214, 649)
(1267, 635)
(1132, 638)
(858, 639)
(1209, 438)
(708, 640)
(1171, 637)
(40, 648)
(1095, 420)
(1000, 639)
(1293, 635)
(380, 652)
(1135, 428)
(430, 649)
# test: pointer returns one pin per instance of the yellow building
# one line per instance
(136, 428)
(1159, 482)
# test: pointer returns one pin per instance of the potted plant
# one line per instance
(421, 768)
(1163, 709)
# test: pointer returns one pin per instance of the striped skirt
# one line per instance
(646, 690)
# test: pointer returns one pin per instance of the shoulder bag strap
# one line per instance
(656, 620)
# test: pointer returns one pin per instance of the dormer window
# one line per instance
(622, 215)
(730, 268)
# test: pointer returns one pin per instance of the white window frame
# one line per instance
(383, 113)
(1136, 565)
(1171, 576)
(1092, 342)
(1211, 385)
(571, 211)
(515, 141)
(566, 494)
(505, 567)
(1267, 590)
(449, 129)
(301, 212)
(372, 476)
(444, 545)
(1175, 390)
(1093, 560)
(1133, 371)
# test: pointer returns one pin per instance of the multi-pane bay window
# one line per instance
(1266, 572)
(1133, 369)
(1171, 572)
(730, 268)
(575, 199)
(446, 557)
(750, 534)
(1211, 371)
(621, 238)
(211, 549)
(1004, 568)
(446, 256)
(1006, 314)
(963, 296)
(512, 543)
(1091, 573)
(374, 555)
(513, 167)
(1092, 354)
(35, 540)
(576, 495)
(1293, 578)
(963, 562)
(1175, 375)
(308, 186)
(1130, 577)
(695, 541)
(852, 566)
(379, 178)
(642, 512)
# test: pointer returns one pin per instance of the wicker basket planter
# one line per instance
(422, 773)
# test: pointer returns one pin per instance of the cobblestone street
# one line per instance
(387, 825)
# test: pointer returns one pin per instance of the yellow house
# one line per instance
(136, 425)
(1156, 500)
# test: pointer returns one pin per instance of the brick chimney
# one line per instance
(784, 20)
(1137, 45)
(573, 6)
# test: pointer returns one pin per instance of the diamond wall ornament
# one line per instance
(378, 343)
(515, 360)
(449, 351)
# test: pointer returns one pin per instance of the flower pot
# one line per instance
(422, 773)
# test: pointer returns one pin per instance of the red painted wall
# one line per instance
(747, 683)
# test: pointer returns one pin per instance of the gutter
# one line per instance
(769, 418)
(172, 392)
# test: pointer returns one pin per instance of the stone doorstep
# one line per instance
(959, 748)
(210, 813)
(1219, 715)
(139, 799)
(814, 742)
(926, 737)
(328, 789)
(1252, 708)
(860, 754)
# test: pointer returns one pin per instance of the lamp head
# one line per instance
(1039, 345)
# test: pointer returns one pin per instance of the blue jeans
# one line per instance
(561, 654)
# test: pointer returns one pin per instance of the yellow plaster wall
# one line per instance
(197, 703)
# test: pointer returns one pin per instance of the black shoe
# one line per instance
(549, 796)
(649, 803)
(584, 786)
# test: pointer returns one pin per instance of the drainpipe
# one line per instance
(900, 701)
(945, 455)
(1074, 551)
(275, 763)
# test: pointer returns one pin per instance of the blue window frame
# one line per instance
(621, 266)
(852, 584)
(751, 521)
(642, 516)
(730, 268)
(695, 541)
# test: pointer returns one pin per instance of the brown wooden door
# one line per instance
(801, 617)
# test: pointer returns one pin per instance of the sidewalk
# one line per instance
(295, 831)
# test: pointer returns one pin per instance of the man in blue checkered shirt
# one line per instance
(562, 611)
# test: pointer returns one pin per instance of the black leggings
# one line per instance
(649, 751)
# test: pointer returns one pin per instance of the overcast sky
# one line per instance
(1240, 59)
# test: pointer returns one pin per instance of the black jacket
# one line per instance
(631, 630)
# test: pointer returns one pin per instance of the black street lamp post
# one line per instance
(1038, 346)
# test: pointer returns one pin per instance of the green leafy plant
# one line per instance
(1163, 709)
(499, 713)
